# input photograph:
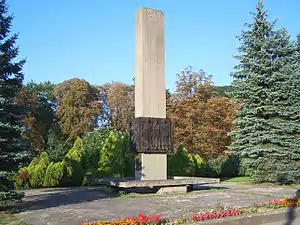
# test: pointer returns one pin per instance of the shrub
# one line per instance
(222, 166)
(56, 146)
(116, 159)
(198, 163)
(93, 142)
(206, 170)
(216, 164)
(22, 179)
(8, 198)
(111, 160)
(37, 177)
(32, 165)
(73, 162)
(54, 174)
(129, 163)
(181, 163)
(230, 167)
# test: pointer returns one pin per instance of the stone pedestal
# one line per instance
(150, 90)
(151, 166)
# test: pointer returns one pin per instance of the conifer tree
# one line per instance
(266, 84)
(12, 150)
(116, 159)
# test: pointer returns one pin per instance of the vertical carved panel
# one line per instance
(151, 135)
(154, 136)
(144, 124)
(165, 135)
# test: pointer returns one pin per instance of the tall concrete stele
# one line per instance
(152, 129)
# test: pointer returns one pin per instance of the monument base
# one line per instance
(171, 185)
(151, 166)
(173, 189)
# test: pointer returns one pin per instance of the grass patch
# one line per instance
(7, 218)
(236, 179)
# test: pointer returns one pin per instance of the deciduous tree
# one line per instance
(118, 102)
(201, 119)
(78, 107)
(40, 101)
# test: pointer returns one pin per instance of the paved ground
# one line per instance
(68, 206)
(295, 222)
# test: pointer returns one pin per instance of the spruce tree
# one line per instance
(266, 84)
(12, 150)
(298, 44)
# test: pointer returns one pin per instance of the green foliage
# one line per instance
(129, 162)
(110, 156)
(31, 167)
(10, 197)
(56, 146)
(223, 90)
(115, 156)
(225, 166)
(12, 146)
(73, 161)
(222, 166)
(217, 163)
(40, 116)
(199, 163)
(54, 174)
(266, 84)
(182, 163)
(22, 179)
(39, 171)
(298, 42)
(198, 160)
(93, 143)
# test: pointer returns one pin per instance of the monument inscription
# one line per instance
(151, 135)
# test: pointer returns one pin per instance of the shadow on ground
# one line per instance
(42, 199)
(204, 187)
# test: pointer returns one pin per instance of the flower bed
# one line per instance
(219, 212)
(138, 220)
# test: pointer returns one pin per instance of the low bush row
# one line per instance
(104, 153)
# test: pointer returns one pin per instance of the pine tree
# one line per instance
(266, 84)
(12, 151)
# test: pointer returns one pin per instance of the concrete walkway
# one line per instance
(295, 222)
(68, 206)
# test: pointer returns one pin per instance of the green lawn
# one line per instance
(236, 179)
(8, 218)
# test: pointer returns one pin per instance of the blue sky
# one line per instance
(94, 39)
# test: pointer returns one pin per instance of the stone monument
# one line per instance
(151, 134)
(150, 130)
